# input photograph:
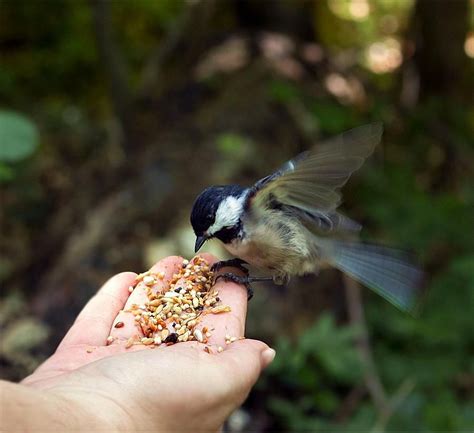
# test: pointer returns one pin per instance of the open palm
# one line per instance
(178, 387)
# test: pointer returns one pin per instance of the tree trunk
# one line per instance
(440, 28)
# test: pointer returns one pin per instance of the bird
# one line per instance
(288, 223)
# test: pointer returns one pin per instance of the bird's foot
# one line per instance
(238, 279)
(244, 280)
(234, 263)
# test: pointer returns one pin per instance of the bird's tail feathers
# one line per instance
(385, 270)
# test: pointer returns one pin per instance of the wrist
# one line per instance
(29, 409)
(91, 411)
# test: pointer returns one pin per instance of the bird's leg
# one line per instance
(244, 280)
(235, 263)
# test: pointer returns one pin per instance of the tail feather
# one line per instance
(386, 271)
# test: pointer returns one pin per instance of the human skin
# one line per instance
(88, 385)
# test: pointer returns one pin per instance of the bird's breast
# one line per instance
(275, 244)
(253, 252)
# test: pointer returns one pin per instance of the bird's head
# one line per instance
(217, 214)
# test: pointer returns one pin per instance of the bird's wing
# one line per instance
(310, 181)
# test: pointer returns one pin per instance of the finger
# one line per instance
(93, 324)
(231, 324)
(167, 267)
(243, 362)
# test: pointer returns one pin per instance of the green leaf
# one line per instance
(18, 136)
(332, 118)
(283, 91)
(231, 144)
(6, 172)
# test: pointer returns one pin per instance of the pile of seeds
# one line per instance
(174, 316)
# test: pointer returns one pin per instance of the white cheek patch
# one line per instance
(228, 214)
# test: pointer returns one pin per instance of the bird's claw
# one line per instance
(234, 263)
(238, 279)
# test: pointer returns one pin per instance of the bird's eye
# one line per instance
(209, 219)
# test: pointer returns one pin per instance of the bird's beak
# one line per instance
(199, 243)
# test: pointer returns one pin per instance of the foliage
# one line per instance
(306, 372)
(19, 139)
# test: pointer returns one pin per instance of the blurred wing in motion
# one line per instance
(310, 181)
(386, 271)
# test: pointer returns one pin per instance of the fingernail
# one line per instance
(267, 357)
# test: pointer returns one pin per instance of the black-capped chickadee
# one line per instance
(287, 223)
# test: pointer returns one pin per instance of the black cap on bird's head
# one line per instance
(216, 213)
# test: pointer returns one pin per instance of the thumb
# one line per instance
(246, 359)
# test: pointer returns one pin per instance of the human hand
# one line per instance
(169, 388)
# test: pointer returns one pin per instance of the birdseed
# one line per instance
(229, 339)
(149, 280)
(130, 342)
(198, 335)
(174, 316)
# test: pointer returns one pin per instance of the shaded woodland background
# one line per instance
(114, 115)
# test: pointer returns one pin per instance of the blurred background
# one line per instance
(115, 115)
